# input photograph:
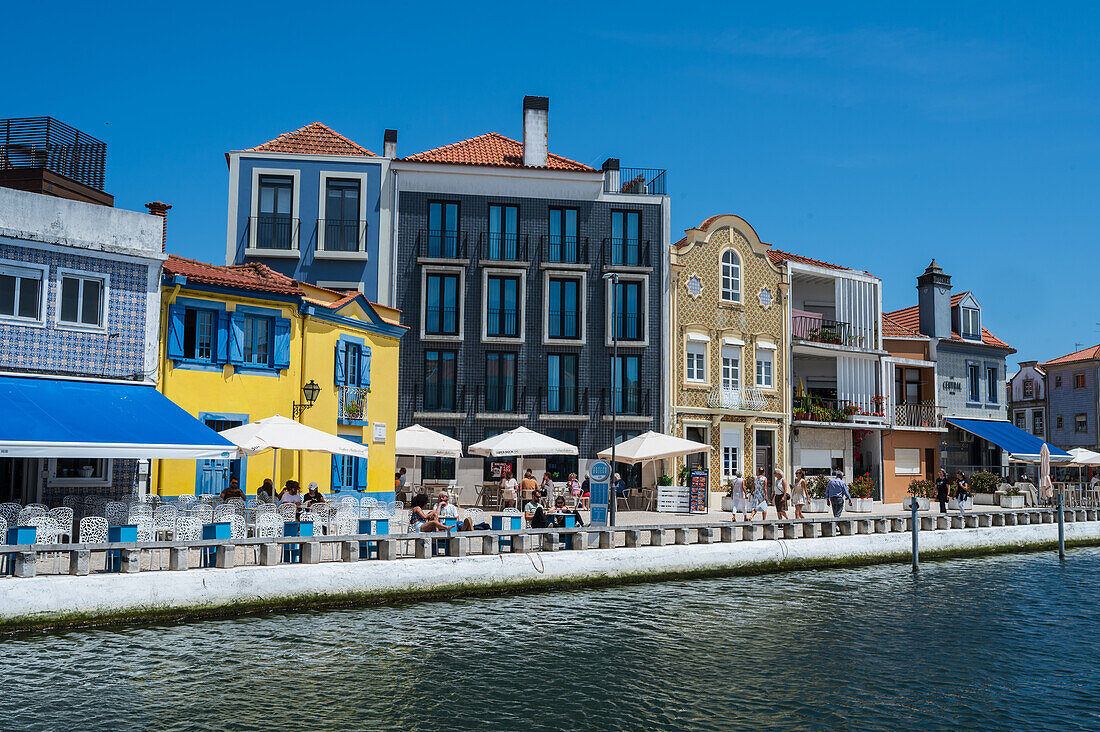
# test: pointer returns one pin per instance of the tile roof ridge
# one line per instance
(290, 136)
(415, 156)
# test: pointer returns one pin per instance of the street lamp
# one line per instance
(310, 391)
(613, 277)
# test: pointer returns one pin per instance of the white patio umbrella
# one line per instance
(1046, 488)
(422, 442)
(521, 441)
(1082, 456)
(651, 446)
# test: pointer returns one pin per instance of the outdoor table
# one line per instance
(506, 522)
(18, 535)
(369, 549)
(292, 553)
(119, 534)
(213, 531)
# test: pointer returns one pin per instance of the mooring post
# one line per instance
(916, 528)
(1061, 529)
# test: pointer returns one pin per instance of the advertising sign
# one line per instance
(697, 498)
(599, 485)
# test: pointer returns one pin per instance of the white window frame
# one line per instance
(105, 309)
(991, 387)
(254, 211)
(736, 264)
(582, 296)
(971, 397)
(608, 301)
(770, 349)
(1042, 423)
(964, 312)
(695, 360)
(738, 350)
(341, 285)
(911, 464)
(322, 197)
(19, 269)
(1017, 419)
(425, 270)
(521, 301)
(738, 443)
(52, 479)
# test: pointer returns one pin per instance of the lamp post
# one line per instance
(310, 391)
(613, 277)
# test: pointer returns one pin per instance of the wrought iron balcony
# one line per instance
(273, 231)
(628, 326)
(563, 400)
(629, 400)
(342, 235)
(353, 403)
(748, 398)
(647, 181)
(501, 247)
(626, 252)
(501, 322)
(501, 397)
(559, 249)
(440, 244)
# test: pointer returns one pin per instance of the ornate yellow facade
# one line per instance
(729, 385)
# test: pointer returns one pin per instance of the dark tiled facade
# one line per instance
(469, 419)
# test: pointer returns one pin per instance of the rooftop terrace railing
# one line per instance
(45, 143)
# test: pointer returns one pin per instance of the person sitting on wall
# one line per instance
(559, 512)
(233, 490)
(421, 519)
(445, 509)
(266, 492)
(312, 496)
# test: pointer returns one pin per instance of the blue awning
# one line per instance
(47, 417)
(1020, 445)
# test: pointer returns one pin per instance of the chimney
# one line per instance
(536, 131)
(157, 208)
(611, 182)
(389, 144)
(934, 302)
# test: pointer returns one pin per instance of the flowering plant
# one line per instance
(863, 486)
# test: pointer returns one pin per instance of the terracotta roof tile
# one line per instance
(777, 256)
(313, 139)
(893, 329)
(1092, 353)
(251, 276)
(910, 318)
(490, 149)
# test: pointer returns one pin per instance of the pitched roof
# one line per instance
(490, 149)
(910, 318)
(251, 276)
(702, 227)
(893, 329)
(313, 139)
(1092, 353)
(777, 256)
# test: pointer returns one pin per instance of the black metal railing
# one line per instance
(44, 143)
(562, 399)
(562, 324)
(564, 249)
(500, 247)
(650, 181)
(629, 400)
(819, 330)
(438, 244)
(441, 320)
(343, 235)
(446, 396)
(628, 326)
(501, 322)
(498, 397)
(629, 252)
(274, 231)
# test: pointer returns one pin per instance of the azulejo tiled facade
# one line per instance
(728, 380)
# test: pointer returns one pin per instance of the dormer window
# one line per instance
(971, 323)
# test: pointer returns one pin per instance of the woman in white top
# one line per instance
(508, 486)
(782, 495)
(800, 494)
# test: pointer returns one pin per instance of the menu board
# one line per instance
(697, 485)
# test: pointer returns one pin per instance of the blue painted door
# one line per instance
(214, 475)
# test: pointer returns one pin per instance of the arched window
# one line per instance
(731, 276)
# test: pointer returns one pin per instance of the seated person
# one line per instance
(445, 509)
(559, 512)
(313, 496)
(621, 490)
(233, 490)
(422, 520)
(266, 492)
(536, 516)
(291, 493)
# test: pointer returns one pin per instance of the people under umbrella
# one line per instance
(313, 496)
(541, 518)
(233, 490)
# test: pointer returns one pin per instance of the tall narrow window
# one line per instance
(1029, 388)
(341, 224)
(628, 311)
(764, 362)
(502, 306)
(731, 368)
(198, 334)
(731, 276)
(352, 357)
(503, 232)
(971, 323)
(257, 341)
(439, 381)
(441, 304)
(275, 225)
(562, 241)
(974, 382)
(500, 382)
(435, 468)
(625, 238)
(442, 229)
(696, 460)
(696, 361)
(561, 383)
(1037, 423)
(992, 385)
(563, 313)
(626, 394)
(20, 293)
(81, 300)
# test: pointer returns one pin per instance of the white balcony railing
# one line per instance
(353, 402)
(916, 415)
(746, 398)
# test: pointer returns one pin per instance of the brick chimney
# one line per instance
(159, 208)
(536, 131)
(934, 302)
(389, 144)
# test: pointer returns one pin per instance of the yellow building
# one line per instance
(729, 385)
(240, 343)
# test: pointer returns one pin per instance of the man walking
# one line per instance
(836, 492)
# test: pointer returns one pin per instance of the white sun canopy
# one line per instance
(1082, 456)
(423, 442)
(521, 441)
(280, 433)
(653, 446)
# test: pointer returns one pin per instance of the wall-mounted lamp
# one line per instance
(310, 391)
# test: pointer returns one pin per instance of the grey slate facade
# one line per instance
(1072, 403)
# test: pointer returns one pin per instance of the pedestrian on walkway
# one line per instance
(782, 494)
(943, 485)
(962, 491)
(759, 500)
(836, 492)
(800, 495)
(737, 493)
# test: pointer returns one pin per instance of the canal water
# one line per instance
(1008, 642)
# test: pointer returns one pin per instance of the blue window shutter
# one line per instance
(337, 473)
(221, 352)
(341, 355)
(360, 473)
(175, 331)
(236, 338)
(282, 343)
(364, 366)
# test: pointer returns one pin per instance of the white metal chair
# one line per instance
(347, 521)
(202, 512)
(46, 529)
(31, 512)
(93, 530)
(42, 506)
(10, 513)
(188, 528)
(139, 510)
(237, 528)
(262, 508)
(349, 501)
(289, 511)
(116, 513)
(224, 513)
(269, 525)
(185, 502)
(476, 515)
(64, 517)
(164, 520)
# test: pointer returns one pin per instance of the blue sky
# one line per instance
(875, 135)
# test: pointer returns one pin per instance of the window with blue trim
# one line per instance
(349, 473)
(352, 365)
(257, 341)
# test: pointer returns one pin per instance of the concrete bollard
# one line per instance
(269, 555)
(25, 564)
(349, 551)
(943, 522)
(225, 556)
(130, 561)
(1069, 515)
(489, 545)
(1022, 518)
(750, 532)
(997, 519)
(899, 525)
(770, 532)
(1046, 517)
(985, 519)
(705, 535)
(971, 521)
(727, 534)
(80, 562)
(658, 537)
(550, 542)
(311, 552)
(607, 539)
(577, 540)
(632, 537)
(865, 526)
(520, 543)
(456, 546)
(1081, 515)
(792, 531)
(1010, 519)
(811, 530)
(387, 549)
(422, 548)
(846, 527)
(957, 522)
(1090, 514)
(829, 528)
(928, 523)
(680, 536)
(881, 526)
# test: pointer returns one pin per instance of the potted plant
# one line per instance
(922, 492)
(861, 491)
(816, 487)
(983, 488)
(1011, 498)
(729, 501)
